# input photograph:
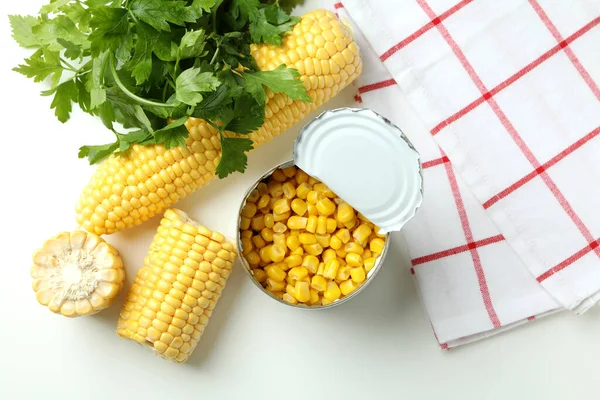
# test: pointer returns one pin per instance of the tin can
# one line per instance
(389, 201)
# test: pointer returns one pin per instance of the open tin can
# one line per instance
(368, 162)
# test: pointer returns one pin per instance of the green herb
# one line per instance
(144, 66)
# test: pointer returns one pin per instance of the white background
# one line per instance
(379, 345)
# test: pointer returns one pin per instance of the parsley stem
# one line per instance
(214, 57)
(135, 97)
(69, 66)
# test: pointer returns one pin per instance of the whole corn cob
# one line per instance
(127, 190)
(174, 293)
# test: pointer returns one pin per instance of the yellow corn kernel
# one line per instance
(279, 176)
(311, 263)
(302, 292)
(275, 286)
(245, 223)
(314, 297)
(249, 210)
(313, 249)
(289, 288)
(320, 187)
(293, 260)
(354, 260)
(369, 263)
(277, 253)
(259, 275)
(296, 222)
(312, 209)
(298, 273)
(301, 176)
(288, 298)
(320, 268)
(258, 223)
(265, 254)
(282, 217)
(247, 234)
(325, 302)
(276, 273)
(307, 238)
(364, 219)
(312, 181)
(278, 294)
(348, 287)
(344, 235)
(303, 190)
(269, 221)
(263, 201)
(325, 207)
(351, 224)
(279, 227)
(312, 197)
(335, 242)
(324, 240)
(361, 234)
(331, 225)
(259, 242)
(253, 196)
(332, 292)
(331, 268)
(377, 233)
(281, 206)
(376, 246)
(358, 274)
(295, 232)
(266, 234)
(341, 253)
(246, 246)
(253, 258)
(345, 213)
(311, 224)
(318, 283)
(275, 188)
(328, 255)
(280, 239)
(299, 207)
(366, 254)
(299, 251)
(290, 172)
(322, 225)
(289, 191)
(353, 247)
(343, 273)
(262, 188)
(292, 242)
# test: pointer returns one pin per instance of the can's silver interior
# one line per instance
(240, 249)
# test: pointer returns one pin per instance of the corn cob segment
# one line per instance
(76, 274)
(127, 190)
(174, 293)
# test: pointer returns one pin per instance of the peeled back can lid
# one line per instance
(367, 161)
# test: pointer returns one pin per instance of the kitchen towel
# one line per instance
(508, 95)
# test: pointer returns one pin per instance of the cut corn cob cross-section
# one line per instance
(129, 189)
(76, 273)
(175, 292)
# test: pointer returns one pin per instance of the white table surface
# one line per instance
(377, 346)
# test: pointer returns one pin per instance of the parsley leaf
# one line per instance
(158, 13)
(38, 68)
(110, 26)
(64, 94)
(140, 64)
(248, 115)
(174, 134)
(234, 156)
(22, 30)
(191, 82)
(96, 154)
(280, 80)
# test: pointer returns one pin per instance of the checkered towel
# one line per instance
(508, 97)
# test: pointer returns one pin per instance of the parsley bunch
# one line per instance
(145, 66)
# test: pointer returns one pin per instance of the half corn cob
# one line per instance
(174, 293)
(127, 190)
(76, 274)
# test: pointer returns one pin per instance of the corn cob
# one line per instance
(129, 189)
(76, 273)
(174, 293)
